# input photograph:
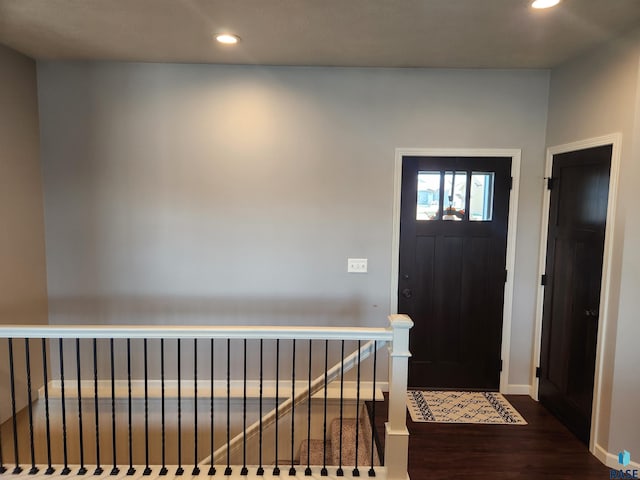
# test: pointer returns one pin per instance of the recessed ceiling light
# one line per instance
(227, 38)
(544, 3)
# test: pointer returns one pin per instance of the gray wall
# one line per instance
(23, 289)
(592, 96)
(219, 194)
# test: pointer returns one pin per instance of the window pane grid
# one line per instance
(465, 196)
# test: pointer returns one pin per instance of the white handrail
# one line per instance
(174, 332)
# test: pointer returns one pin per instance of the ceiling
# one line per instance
(371, 33)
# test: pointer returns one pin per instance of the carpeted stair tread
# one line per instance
(367, 434)
(349, 443)
(315, 449)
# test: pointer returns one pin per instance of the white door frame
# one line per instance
(515, 155)
(615, 140)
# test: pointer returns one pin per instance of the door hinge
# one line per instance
(506, 273)
(511, 183)
(537, 372)
(543, 280)
(550, 182)
(501, 362)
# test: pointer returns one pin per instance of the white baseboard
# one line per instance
(514, 389)
(611, 460)
(204, 389)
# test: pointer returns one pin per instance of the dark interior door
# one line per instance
(453, 238)
(575, 246)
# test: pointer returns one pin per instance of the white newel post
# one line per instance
(397, 436)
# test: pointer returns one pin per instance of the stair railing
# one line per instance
(284, 408)
(86, 404)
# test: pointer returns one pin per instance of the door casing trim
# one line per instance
(515, 155)
(614, 139)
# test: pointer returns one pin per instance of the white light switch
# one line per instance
(357, 265)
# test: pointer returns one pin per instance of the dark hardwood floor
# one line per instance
(543, 449)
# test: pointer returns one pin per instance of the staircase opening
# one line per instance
(155, 401)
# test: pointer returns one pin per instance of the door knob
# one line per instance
(406, 293)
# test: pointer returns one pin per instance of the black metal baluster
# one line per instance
(163, 470)
(45, 377)
(372, 472)
(276, 469)
(65, 470)
(244, 470)
(212, 469)
(98, 470)
(307, 471)
(292, 470)
(227, 470)
(324, 472)
(115, 470)
(147, 469)
(34, 469)
(18, 468)
(131, 470)
(82, 470)
(356, 472)
(260, 470)
(340, 472)
(180, 470)
(3, 469)
(196, 470)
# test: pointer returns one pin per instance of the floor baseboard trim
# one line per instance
(514, 389)
(611, 460)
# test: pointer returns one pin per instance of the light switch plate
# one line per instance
(356, 265)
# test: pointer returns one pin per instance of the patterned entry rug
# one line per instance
(462, 407)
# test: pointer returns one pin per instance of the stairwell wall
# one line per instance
(23, 287)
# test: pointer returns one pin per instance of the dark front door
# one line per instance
(453, 238)
(575, 245)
